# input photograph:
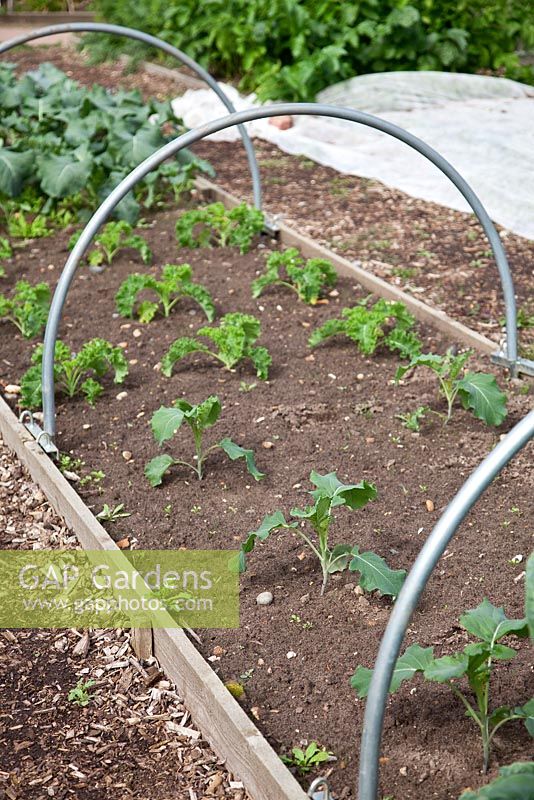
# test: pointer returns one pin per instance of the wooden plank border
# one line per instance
(220, 718)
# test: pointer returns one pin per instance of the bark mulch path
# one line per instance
(123, 745)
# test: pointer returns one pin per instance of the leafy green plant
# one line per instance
(214, 223)
(412, 420)
(175, 283)
(113, 237)
(167, 420)
(95, 357)
(384, 322)
(329, 494)
(80, 694)
(21, 227)
(307, 278)
(28, 308)
(234, 339)
(489, 625)
(515, 782)
(477, 391)
(5, 249)
(112, 514)
(304, 761)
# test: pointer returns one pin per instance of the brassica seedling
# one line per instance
(385, 322)
(113, 237)
(113, 514)
(475, 662)
(515, 782)
(306, 760)
(95, 357)
(167, 420)
(5, 249)
(175, 283)
(234, 338)
(412, 419)
(478, 391)
(28, 308)
(81, 694)
(308, 279)
(20, 227)
(214, 223)
(330, 493)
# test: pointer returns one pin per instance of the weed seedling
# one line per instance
(412, 420)
(304, 761)
(201, 227)
(246, 387)
(109, 514)
(489, 625)
(28, 308)
(234, 338)
(166, 421)
(330, 493)
(113, 237)
(308, 279)
(80, 694)
(477, 391)
(175, 283)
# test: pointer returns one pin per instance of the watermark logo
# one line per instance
(117, 589)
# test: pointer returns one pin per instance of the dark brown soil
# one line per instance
(335, 412)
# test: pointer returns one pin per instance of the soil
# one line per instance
(335, 411)
(332, 409)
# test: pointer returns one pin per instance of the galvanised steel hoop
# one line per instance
(192, 136)
(411, 591)
(160, 44)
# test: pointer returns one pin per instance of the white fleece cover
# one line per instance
(483, 126)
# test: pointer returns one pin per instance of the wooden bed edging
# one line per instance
(312, 249)
(220, 718)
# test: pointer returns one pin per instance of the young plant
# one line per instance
(330, 493)
(28, 308)
(308, 279)
(166, 421)
(21, 227)
(515, 782)
(385, 322)
(5, 252)
(477, 391)
(412, 420)
(95, 357)
(109, 514)
(214, 223)
(81, 694)
(113, 237)
(305, 761)
(234, 338)
(475, 663)
(175, 283)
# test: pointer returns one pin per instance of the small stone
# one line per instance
(311, 357)
(267, 445)
(283, 123)
(137, 333)
(122, 395)
(264, 599)
(126, 455)
(358, 591)
(291, 654)
(304, 599)
(218, 650)
(12, 388)
(429, 505)
(333, 293)
(86, 426)
(370, 439)
(360, 376)
(123, 544)
(255, 711)
(403, 770)
(123, 345)
(363, 602)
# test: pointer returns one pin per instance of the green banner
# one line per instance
(118, 589)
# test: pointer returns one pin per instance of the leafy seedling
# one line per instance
(81, 694)
(109, 514)
(96, 357)
(28, 308)
(475, 663)
(113, 237)
(412, 420)
(330, 493)
(234, 338)
(308, 279)
(5, 252)
(237, 227)
(304, 761)
(515, 782)
(21, 227)
(166, 421)
(175, 283)
(385, 322)
(477, 391)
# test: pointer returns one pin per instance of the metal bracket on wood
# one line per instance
(320, 790)
(42, 438)
(522, 366)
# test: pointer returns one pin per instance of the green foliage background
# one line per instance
(291, 49)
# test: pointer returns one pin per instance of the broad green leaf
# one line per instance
(203, 415)
(515, 782)
(375, 573)
(339, 558)
(31, 388)
(446, 668)
(490, 624)
(269, 523)
(14, 169)
(353, 495)
(63, 175)
(480, 393)
(165, 422)
(234, 451)
(527, 714)
(415, 659)
(178, 350)
(157, 467)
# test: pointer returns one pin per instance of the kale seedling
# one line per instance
(234, 338)
(477, 391)
(109, 514)
(305, 761)
(412, 420)
(330, 493)
(113, 237)
(475, 662)
(308, 279)
(96, 357)
(386, 321)
(515, 782)
(235, 228)
(175, 283)
(166, 421)
(80, 694)
(28, 308)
